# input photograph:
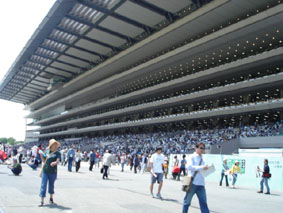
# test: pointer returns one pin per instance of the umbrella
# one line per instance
(3, 155)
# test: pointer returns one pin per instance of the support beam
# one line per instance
(94, 6)
(81, 36)
(103, 57)
(96, 26)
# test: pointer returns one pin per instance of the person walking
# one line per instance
(123, 161)
(107, 161)
(156, 163)
(136, 163)
(98, 158)
(51, 158)
(143, 163)
(78, 159)
(265, 176)
(92, 158)
(165, 168)
(183, 166)
(176, 161)
(196, 164)
(224, 171)
(70, 157)
(131, 160)
(234, 172)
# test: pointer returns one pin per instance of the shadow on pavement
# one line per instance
(56, 206)
(170, 200)
(273, 194)
(4, 173)
(111, 179)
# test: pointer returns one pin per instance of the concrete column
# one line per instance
(215, 104)
(247, 98)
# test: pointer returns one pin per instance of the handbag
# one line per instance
(267, 175)
(102, 170)
(188, 181)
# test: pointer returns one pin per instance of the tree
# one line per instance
(3, 140)
(10, 140)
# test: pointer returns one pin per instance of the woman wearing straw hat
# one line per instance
(49, 170)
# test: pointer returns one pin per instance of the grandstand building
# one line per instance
(100, 67)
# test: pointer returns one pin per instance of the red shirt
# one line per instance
(176, 169)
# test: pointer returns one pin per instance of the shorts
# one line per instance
(158, 178)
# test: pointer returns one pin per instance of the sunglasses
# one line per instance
(202, 148)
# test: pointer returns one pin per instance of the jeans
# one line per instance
(105, 169)
(183, 169)
(91, 165)
(135, 168)
(175, 175)
(70, 162)
(16, 171)
(78, 165)
(50, 178)
(201, 194)
(226, 178)
(122, 165)
(38, 158)
(143, 167)
(234, 179)
(33, 166)
(265, 181)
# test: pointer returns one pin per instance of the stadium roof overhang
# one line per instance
(80, 41)
(240, 32)
(77, 35)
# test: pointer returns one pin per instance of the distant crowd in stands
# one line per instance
(172, 142)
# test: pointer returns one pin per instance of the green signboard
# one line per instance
(242, 164)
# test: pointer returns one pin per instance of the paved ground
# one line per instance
(123, 192)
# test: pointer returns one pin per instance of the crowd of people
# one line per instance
(141, 152)
(172, 142)
(128, 147)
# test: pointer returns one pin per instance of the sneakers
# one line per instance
(267, 193)
(158, 195)
(152, 195)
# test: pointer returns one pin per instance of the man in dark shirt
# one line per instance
(92, 158)
(265, 176)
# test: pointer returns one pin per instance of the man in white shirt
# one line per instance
(156, 163)
(196, 164)
(108, 159)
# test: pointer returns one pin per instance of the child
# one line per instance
(165, 169)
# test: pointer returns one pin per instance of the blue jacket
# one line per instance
(137, 162)
(71, 153)
(92, 156)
